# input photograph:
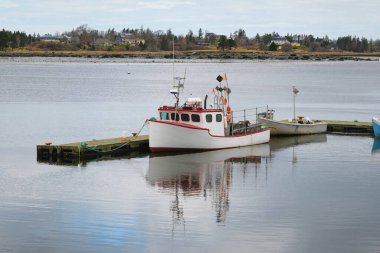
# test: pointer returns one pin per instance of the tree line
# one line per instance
(16, 39)
(131, 39)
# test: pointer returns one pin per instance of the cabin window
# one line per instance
(195, 118)
(164, 116)
(174, 116)
(185, 117)
(218, 118)
(208, 118)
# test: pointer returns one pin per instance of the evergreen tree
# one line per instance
(200, 33)
(164, 43)
(222, 42)
(231, 43)
(272, 47)
(5, 38)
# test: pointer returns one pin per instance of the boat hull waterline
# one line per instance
(284, 128)
(165, 136)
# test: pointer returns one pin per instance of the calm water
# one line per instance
(310, 194)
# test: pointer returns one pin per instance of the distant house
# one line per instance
(128, 39)
(50, 38)
(66, 39)
(279, 41)
(134, 41)
(56, 39)
(102, 42)
(202, 42)
(210, 36)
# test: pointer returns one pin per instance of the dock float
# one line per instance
(88, 150)
(348, 127)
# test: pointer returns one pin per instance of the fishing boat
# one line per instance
(376, 126)
(193, 126)
(296, 126)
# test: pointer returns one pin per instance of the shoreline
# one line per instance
(201, 55)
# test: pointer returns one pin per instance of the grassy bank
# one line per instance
(196, 54)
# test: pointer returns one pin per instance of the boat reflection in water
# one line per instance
(279, 143)
(209, 174)
(376, 147)
(202, 174)
(283, 142)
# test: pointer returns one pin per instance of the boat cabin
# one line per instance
(192, 113)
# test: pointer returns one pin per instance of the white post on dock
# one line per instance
(295, 92)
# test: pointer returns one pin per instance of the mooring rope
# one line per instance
(84, 145)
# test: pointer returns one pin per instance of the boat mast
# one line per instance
(178, 84)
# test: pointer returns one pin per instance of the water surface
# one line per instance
(299, 194)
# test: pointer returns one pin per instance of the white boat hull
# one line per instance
(285, 128)
(165, 136)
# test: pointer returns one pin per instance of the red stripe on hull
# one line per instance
(206, 129)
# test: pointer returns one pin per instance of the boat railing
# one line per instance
(246, 120)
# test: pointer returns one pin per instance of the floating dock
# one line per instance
(349, 127)
(74, 153)
(93, 149)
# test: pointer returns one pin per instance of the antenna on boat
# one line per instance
(295, 92)
(178, 83)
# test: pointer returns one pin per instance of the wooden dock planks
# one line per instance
(93, 148)
(349, 127)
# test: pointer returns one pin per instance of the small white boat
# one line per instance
(296, 126)
(192, 127)
(376, 126)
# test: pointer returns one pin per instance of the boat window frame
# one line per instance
(162, 114)
(219, 117)
(208, 118)
(195, 117)
(185, 117)
(174, 116)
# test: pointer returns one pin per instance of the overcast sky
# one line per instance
(318, 17)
